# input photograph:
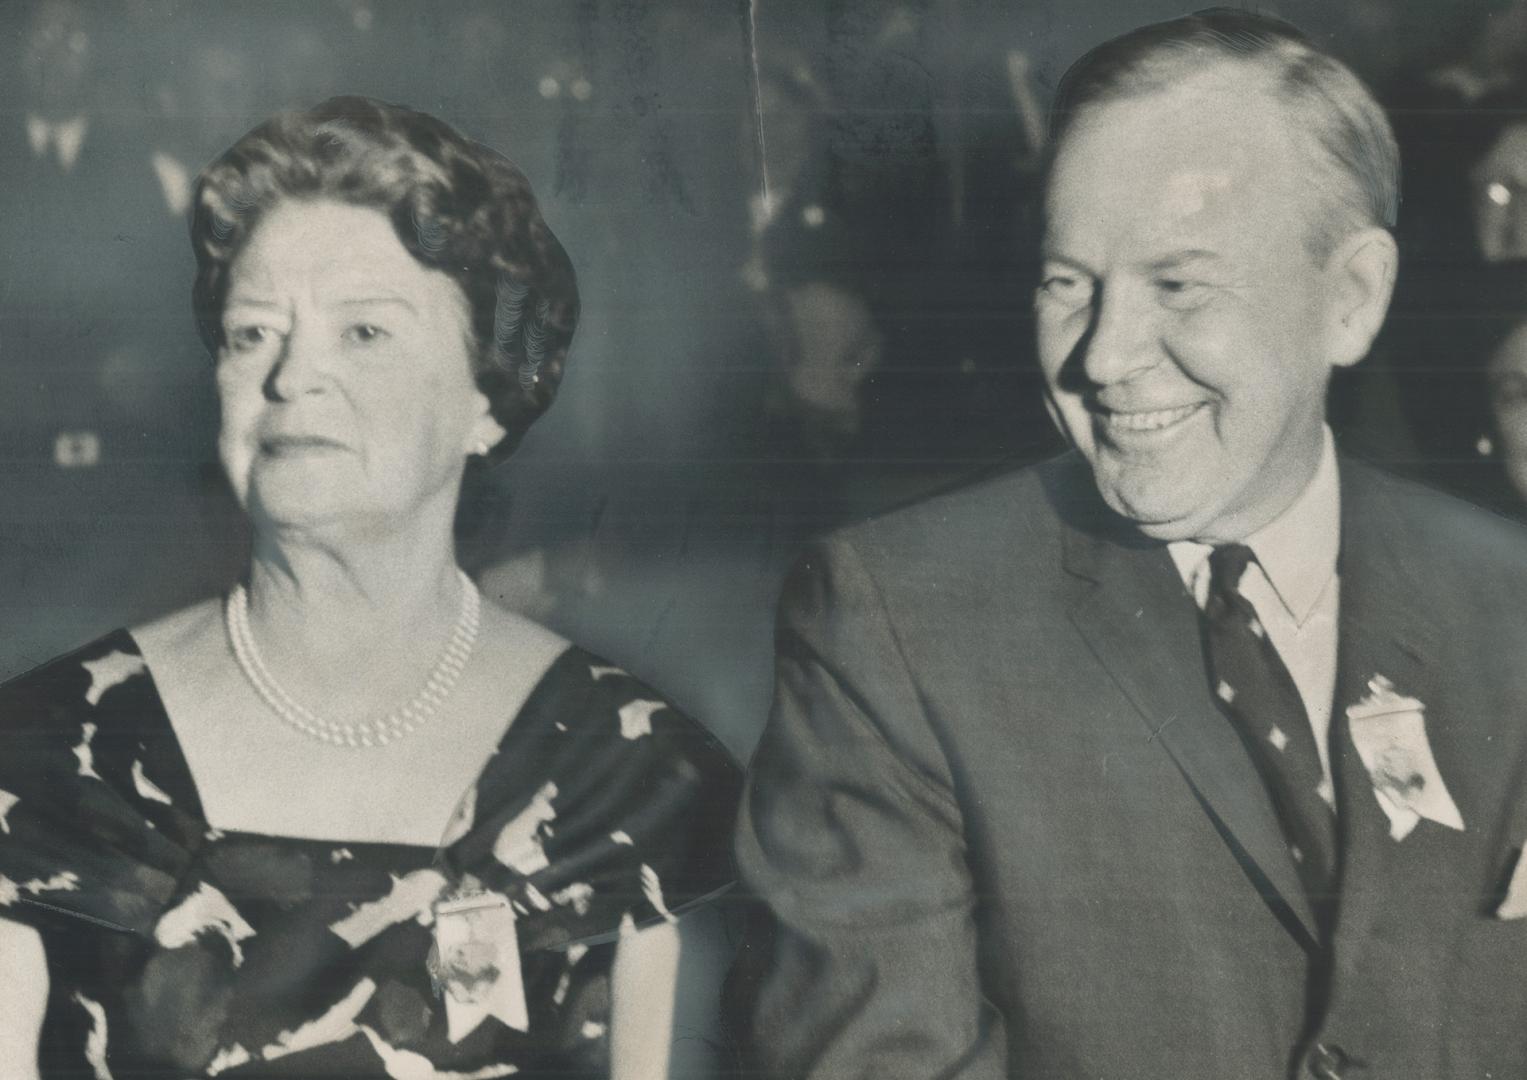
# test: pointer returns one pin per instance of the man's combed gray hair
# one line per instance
(1354, 147)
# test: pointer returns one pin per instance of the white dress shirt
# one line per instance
(61, 139)
(1294, 587)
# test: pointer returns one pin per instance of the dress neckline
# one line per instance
(159, 726)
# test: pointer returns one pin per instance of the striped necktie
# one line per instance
(1257, 694)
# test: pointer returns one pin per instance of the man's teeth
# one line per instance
(1149, 421)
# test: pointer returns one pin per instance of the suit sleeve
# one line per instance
(851, 836)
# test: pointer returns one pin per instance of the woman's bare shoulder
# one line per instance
(184, 645)
(518, 643)
(180, 628)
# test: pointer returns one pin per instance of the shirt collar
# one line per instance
(67, 135)
(1297, 550)
(39, 134)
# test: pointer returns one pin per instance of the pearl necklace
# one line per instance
(370, 732)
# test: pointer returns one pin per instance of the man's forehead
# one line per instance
(1184, 209)
(1191, 191)
(1172, 161)
(1212, 113)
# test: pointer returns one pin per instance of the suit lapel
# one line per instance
(1386, 631)
(1398, 622)
(1143, 627)
(1386, 628)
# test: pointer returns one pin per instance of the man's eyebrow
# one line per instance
(1177, 259)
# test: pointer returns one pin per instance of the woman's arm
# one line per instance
(665, 998)
(24, 977)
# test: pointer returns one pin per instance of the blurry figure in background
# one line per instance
(1460, 117)
(647, 520)
(823, 339)
(845, 175)
(1461, 120)
(53, 159)
(828, 346)
(898, 144)
(196, 103)
(1467, 194)
(1507, 382)
(1450, 111)
(1468, 394)
(988, 61)
(56, 66)
(94, 416)
(1490, 49)
(204, 80)
(1496, 174)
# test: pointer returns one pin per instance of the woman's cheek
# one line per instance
(236, 441)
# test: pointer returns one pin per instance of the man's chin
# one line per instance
(1161, 515)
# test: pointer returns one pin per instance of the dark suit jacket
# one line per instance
(1003, 830)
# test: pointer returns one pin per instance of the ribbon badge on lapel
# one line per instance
(475, 963)
(1389, 731)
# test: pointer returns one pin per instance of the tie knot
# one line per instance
(1226, 565)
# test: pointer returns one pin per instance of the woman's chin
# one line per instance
(314, 504)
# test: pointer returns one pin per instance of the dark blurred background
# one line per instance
(803, 230)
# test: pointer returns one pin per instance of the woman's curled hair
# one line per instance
(455, 205)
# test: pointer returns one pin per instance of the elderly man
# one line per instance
(1199, 751)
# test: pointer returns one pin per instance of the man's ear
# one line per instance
(1361, 273)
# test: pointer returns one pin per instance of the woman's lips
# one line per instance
(278, 445)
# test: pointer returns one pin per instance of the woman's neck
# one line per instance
(352, 625)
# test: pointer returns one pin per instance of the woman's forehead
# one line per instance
(321, 233)
(332, 246)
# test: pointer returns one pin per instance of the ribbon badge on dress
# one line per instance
(476, 963)
(1389, 731)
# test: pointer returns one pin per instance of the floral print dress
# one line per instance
(177, 950)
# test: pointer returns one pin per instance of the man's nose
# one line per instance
(1119, 343)
(301, 367)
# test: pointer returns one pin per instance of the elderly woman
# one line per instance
(351, 818)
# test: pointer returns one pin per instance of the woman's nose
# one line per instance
(301, 367)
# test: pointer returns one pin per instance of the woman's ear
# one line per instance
(486, 432)
(1361, 272)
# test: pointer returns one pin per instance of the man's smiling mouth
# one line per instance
(1146, 420)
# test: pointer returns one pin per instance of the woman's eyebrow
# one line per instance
(380, 298)
(1049, 255)
(245, 301)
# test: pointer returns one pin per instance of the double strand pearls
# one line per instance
(362, 733)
